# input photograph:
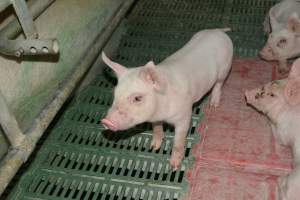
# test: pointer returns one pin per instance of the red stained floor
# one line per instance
(238, 158)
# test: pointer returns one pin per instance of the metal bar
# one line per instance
(28, 47)
(36, 7)
(14, 160)
(10, 124)
(25, 18)
(4, 4)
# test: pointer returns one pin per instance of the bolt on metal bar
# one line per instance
(28, 47)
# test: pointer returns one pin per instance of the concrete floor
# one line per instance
(238, 158)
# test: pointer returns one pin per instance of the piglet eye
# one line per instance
(281, 42)
(272, 95)
(138, 98)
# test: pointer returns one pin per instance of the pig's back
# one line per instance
(284, 9)
(205, 48)
(201, 61)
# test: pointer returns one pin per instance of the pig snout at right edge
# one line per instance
(279, 100)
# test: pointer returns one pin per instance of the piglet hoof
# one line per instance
(175, 161)
(213, 106)
(155, 144)
(283, 71)
(214, 102)
(175, 164)
(282, 188)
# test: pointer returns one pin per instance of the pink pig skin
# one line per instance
(280, 102)
(283, 26)
(167, 91)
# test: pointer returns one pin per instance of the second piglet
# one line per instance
(280, 102)
(166, 92)
(283, 26)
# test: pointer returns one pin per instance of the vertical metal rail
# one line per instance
(4, 4)
(10, 124)
(25, 18)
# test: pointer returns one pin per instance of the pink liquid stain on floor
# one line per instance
(237, 157)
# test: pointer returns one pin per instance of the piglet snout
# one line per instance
(248, 96)
(264, 54)
(109, 124)
(261, 54)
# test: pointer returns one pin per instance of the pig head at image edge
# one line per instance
(279, 100)
(282, 24)
(166, 92)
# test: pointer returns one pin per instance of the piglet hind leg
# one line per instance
(289, 185)
(216, 95)
(181, 130)
(158, 135)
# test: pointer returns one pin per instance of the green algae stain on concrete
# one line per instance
(75, 31)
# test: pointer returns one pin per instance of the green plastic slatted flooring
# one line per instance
(79, 160)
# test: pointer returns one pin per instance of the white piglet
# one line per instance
(166, 92)
(283, 26)
(280, 101)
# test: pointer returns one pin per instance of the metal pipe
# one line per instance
(25, 18)
(28, 47)
(10, 124)
(36, 8)
(4, 4)
(14, 160)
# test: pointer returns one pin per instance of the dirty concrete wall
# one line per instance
(29, 85)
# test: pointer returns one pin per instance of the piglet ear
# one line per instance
(116, 67)
(150, 64)
(292, 91)
(150, 75)
(293, 24)
(273, 21)
(295, 70)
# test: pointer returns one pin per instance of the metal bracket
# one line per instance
(32, 45)
(25, 18)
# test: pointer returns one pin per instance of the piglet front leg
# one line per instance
(288, 186)
(216, 95)
(181, 130)
(158, 135)
(283, 68)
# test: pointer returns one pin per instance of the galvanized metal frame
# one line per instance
(13, 28)
(4, 4)
(33, 45)
(25, 18)
(25, 143)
